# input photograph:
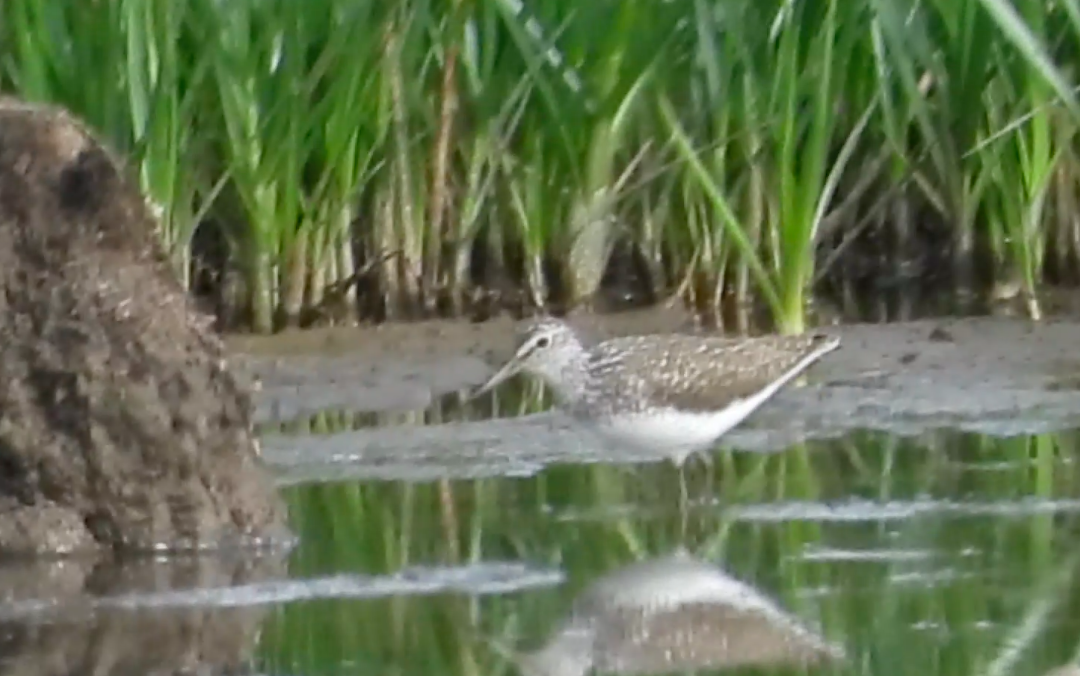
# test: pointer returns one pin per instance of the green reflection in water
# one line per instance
(941, 554)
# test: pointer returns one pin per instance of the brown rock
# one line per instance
(120, 426)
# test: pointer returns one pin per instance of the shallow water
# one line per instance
(437, 540)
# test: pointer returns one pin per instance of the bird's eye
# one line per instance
(544, 341)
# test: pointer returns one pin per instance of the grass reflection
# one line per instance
(946, 553)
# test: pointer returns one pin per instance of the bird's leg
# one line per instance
(684, 508)
(681, 462)
(705, 458)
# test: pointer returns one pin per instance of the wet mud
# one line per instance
(993, 375)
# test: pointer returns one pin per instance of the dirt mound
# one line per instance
(120, 426)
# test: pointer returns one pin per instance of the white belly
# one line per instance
(677, 434)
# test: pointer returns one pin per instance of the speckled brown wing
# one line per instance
(706, 374)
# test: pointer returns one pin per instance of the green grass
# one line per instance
(388, 160)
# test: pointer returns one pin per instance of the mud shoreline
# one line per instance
(995, 375)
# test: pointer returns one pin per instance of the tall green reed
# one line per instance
(129, 68)
(163, 82)
(795, 62)
(411, 159)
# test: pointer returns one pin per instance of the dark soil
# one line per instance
(120, 425)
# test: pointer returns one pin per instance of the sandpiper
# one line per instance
(671, 393)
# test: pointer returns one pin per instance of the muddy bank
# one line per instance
(121, 427)
(396, 366)
(994, 375)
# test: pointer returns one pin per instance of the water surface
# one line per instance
(488, 537)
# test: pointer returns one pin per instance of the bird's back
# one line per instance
(699, 374)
